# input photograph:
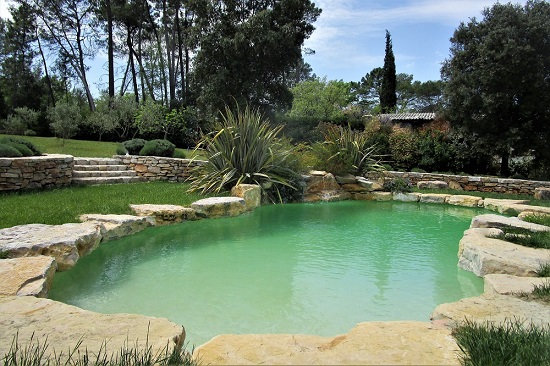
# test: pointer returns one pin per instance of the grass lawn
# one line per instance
(63, 205)
(80, 148)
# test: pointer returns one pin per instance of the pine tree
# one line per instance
(388, 96)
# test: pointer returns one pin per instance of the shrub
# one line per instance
(24, 150)
(158, 148)
(345, 151)
(398, 185)
(8, 151)
(134, 146)
(178, 154)
(24, 147)
(120, 150)
(511, 343)
(404, 148)
(244, 150)
(24, 142)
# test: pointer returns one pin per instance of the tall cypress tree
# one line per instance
(388, 96)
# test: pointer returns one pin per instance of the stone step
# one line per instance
(88, 168)
(96, 161)
(106, 180)
(104, 173)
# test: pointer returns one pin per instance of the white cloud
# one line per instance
(4, 11)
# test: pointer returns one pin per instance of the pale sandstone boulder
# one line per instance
(164, 214)
(346, 179)
(65, 325)
(483, 255)
(214, 207)
(26, 276)
(373, 196)
(406, 197)
(466, 201)
(117, 226)
(542, 193)
(369, 185)
(519, 208)
(327, 196)
(493, 308)
(434, 198)
(510, 285)
(376, 343)
(250, 193)
(321, 181)
(503, 206)
(497, 221)
(66, 243)
(432, 184)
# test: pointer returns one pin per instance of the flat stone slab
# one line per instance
(542, 193)
(213, 207)
(117, 226)
(164, 214)
(432, 184)
(26, 276)
(497, 221)
(406, 197)
(504, 206)
(64, 325)
(493, 308)
(376, 343)
(509, 285)
(434, 198)
(466, 201)
(66, 243)
(482, 255)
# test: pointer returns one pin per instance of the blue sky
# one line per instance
(349, 39)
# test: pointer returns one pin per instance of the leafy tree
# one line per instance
(21, 121)
(151, 119)
(103, 119)
(369, 88)
(245, 49)
(65, 119)
(498, 80)
(321, 99)
(388, 97)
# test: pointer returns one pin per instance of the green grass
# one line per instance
(63, 205)
(79, 148)
(37, 352)
(538, 219)
(511, 343)
(525, 237)
(544, 270)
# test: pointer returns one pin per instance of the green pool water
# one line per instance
(299, 268)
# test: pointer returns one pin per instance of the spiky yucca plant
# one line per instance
(246, 149)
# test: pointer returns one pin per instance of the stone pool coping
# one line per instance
(372, 342)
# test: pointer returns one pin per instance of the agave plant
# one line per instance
(246, 149)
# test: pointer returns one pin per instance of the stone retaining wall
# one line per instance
(468, 183)
(52, 170)
(159, 168)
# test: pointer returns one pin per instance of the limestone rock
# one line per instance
(164, 214)
(66, 243)
(354, 188)
(26, 276)
(251, 193)
(524, 214)
(510, 285)
(432, 184)
(466, 201)
(493, 308)
(64, 325)
(369, 185)
(497, 221)
(406, 197)
(327, 196)
(376, 343)
(542, 193)
(219, 207)
(117, 226)
(434, 198)
(483, 255)
(503, 206)
(346, 179)
(319, 182)
(519, 208)
(455, 185)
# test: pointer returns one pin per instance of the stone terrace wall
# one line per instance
(159, 168)
(480, 184)
(36, 172)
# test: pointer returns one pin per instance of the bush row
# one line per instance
(12, 147)
(149, 148)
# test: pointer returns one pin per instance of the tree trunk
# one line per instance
(48, 80)
(505, 163)
(110, 51)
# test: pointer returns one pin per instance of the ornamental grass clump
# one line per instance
(510, 343)
(245, 150)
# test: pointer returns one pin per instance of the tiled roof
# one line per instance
(408, 116)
